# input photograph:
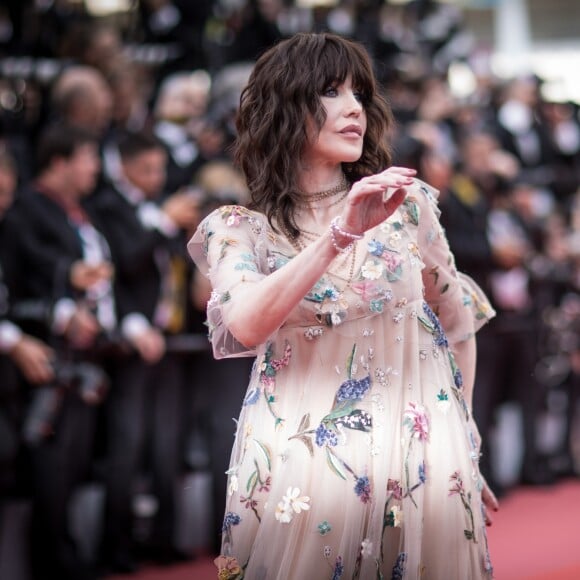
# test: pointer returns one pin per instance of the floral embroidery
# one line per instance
(230, 519)
(393, 263)
(343, 414)
(225, 244)
(399, 567)
(338, 569)
(457, 488)
(228, 568)
(292, 503)
(329, 434)
(390, 265)
(233, 214)
(366, 548)
(433, 325)
(376, 248)
(325, 436)
(353, 390)
(443, 402)
(395, 488)
(269, 367)
(284, 512)
(395, 517)
(363, 489)
(332, 306)
(416, 420)
(248, 263)
(422, 473)
(324, 528)
(259, 479)
(412, 208)
(372, 293)
(372, 270)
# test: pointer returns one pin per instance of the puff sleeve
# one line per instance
(229, 248)
(458, 301)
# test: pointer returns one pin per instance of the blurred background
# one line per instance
(115, 421)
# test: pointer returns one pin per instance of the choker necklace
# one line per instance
(320, 195)
(308, 205)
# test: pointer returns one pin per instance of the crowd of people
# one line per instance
(109, 159)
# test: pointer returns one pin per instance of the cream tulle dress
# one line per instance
(355, 454)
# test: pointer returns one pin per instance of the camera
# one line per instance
(83, 379)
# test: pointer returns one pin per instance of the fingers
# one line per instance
(490, 503)
(489, 498)
(393, 177)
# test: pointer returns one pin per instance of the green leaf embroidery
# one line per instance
(334, 464)
(252, 481)
(350, 361)
(265, 452)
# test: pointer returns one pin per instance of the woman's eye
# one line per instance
(359, 96)
(329, 92)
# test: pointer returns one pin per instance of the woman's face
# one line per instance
(340, 139)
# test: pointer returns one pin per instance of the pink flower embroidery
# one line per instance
(416, 419)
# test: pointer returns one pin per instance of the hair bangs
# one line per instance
(339, 60)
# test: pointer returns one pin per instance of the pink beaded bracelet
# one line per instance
(337, 232)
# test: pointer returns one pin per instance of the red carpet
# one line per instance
(535, 536)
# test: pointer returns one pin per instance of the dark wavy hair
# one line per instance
(283, 90)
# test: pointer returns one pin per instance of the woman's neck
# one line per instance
(313, 181)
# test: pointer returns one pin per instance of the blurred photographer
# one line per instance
(21, 355)
(145, 230)
(60, 275)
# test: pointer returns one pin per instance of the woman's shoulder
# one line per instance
(234, 223)
(232, 218)
(426, 191)
(235, 215)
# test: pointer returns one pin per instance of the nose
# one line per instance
(353, 106)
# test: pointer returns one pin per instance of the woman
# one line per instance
(355, 454)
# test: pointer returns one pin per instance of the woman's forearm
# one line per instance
(259, 309)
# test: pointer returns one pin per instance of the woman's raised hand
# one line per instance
(373, 199)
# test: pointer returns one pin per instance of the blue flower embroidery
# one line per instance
(338, 569)
(325, 436)
(422, 473)
(230, 519)
(353, 390)
(399, 567)
(252, 396)
(439, 338)
(363, 488)
(458, 378)
(376, 248)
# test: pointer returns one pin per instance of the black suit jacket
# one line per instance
(134, 248)
(42, 244)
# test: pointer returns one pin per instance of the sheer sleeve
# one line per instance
(229, 248)
(458, 301)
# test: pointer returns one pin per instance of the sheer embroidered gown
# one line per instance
(355, 454)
